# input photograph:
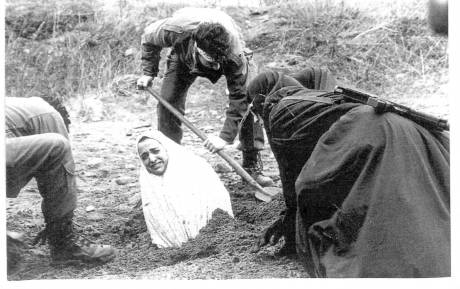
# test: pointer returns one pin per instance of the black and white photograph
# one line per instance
(227, 140)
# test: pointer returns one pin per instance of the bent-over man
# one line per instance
(367, 194)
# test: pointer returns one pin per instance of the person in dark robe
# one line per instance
(367, 194)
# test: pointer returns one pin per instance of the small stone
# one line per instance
(131, 167)
(208, 129)
(122, 180)
(90, 208)
(16, 235)
(130, 51)
(93, 216)
(94, 162)
(292, 62)
(222, 168)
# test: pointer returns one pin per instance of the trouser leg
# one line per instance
(49, 123)
(290, 162)
(48, 158)
(176, 83)
(251, 135)
(251, 141)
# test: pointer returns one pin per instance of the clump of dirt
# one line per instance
(131, 229)
(253, 212)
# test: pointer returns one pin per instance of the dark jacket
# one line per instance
(369, 192)
(175, 32)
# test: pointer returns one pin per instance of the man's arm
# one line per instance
(154, 39)
(236, 73)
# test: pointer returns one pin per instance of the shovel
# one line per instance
(262, 194)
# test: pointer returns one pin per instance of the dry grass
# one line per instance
(69, 48)
(381, 46)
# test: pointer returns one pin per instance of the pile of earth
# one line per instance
(223, 235)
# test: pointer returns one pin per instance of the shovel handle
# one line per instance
(234, 164)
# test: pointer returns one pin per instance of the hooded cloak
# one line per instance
(367, 194)
(180, 202)
(373, 199)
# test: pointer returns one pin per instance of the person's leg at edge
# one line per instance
(252, 142)
(176, 83)
(251, 135)
(48, 158)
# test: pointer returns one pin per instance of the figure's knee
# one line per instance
(57, 145)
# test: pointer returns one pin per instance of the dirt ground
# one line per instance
(107, 169)
(103, 143)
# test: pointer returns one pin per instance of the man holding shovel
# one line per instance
(207, 43)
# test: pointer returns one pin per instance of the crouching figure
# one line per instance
(367, 194)
(37, 146)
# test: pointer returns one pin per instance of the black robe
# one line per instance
(367, 194)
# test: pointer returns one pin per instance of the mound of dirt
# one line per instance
(222, 235)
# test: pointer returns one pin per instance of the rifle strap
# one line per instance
(315, 96)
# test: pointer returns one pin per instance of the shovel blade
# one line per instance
(267, 194)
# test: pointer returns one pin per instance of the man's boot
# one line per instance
(66, 246)
(252, 163)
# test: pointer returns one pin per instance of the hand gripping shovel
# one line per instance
(262, 194)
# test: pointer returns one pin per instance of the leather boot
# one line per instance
(252, 163)
(66, 246)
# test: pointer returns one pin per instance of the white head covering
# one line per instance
(179, 203)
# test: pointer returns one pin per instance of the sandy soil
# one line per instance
(103, 143)
(107, 170)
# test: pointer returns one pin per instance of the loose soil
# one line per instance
(107, 169)
(103, 143)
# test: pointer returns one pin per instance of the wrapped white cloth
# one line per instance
(178, 203)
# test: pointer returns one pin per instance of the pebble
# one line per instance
(123, 180)
(208, 129)
(90, 208)
(131, 167)
(222, 168)
(235, 260)
(93, 216)
(94, 162)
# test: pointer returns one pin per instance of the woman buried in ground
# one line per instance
(180, 190)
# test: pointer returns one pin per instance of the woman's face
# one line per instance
(153, 155)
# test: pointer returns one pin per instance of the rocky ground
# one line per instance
(103, 132)
(107, 169)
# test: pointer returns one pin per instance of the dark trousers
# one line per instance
(176, 82)
(47, 158)
(290, 159)
(42, 152)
